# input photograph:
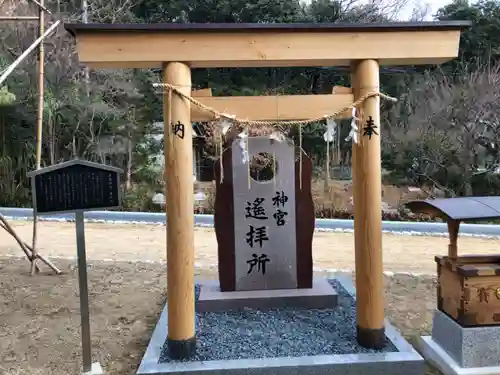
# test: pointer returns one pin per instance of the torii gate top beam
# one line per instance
(265, 45)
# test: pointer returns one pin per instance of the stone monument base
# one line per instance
(321, 296)
(457, 350)
(301, 342)
(95, 370)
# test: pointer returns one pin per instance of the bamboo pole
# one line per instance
(178, 138)
(31, 252)
(28, 251)
(85, 19)
(39, 121)
(41, 6)
(19, 18)
(368, 212)
(20, 59)
(41, 86)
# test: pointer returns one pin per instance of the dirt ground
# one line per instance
(147, 243)
(39, 316)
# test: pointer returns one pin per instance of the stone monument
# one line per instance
(264, 225)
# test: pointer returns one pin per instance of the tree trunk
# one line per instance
(128, 182)
(468, 163)
(52, 151)
(3, 135)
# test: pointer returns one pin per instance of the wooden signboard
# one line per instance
(77, 186)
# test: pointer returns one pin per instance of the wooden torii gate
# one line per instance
(178, 48)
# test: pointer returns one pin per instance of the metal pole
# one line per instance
(84, 292)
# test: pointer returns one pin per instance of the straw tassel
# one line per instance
(274, 169)
(300, 156)
(221, 161)
(249, 159)
(327, 166)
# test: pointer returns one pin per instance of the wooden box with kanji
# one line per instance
(469, 289)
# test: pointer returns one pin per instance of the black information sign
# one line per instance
(76, 186)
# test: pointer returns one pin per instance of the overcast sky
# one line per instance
(433, 4)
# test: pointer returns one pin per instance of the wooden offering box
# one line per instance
(468, 288)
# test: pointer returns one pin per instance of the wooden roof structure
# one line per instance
(461, 208)
(265, 45)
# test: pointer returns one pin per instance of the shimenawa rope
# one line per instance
(220, 115)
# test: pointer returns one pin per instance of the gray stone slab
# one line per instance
(407, 361)
(280, 247)
(96, 369)
(468, 346)
(439, 358)
(321, 296)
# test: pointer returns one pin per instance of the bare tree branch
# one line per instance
(452, 126)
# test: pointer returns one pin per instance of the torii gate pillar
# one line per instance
(368, 209)
(180, 206)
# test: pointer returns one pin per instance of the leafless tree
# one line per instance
(451, 126)
(74, 109)
(367, 10)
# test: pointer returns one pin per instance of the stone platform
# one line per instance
(321, 296)
(457, 350)
(283, 341)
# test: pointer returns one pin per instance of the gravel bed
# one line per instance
(286, 332)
